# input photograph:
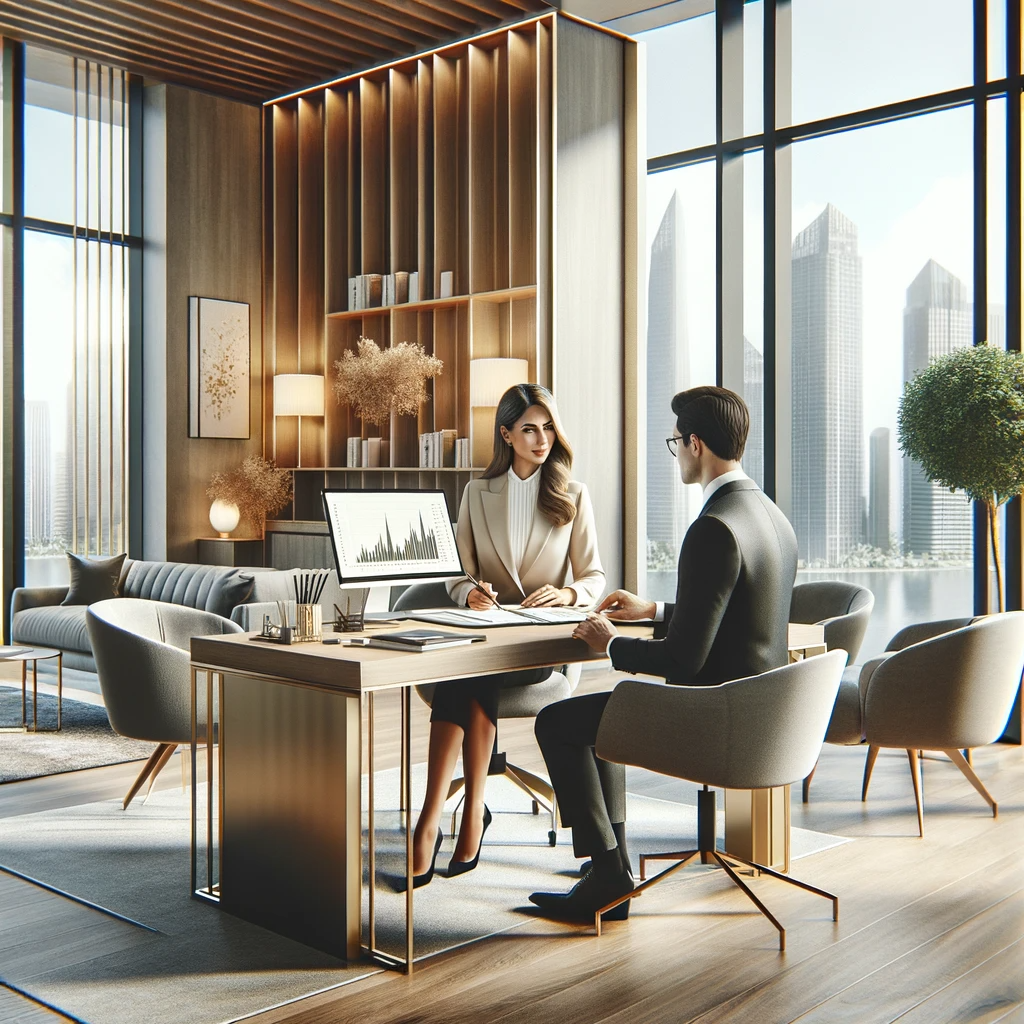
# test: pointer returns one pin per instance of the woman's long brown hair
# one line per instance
(553, 499)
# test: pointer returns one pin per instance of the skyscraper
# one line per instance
(828, 442)
(878, 488)
(936, 321)
(667, 373)
(37, 472)
(753, 395)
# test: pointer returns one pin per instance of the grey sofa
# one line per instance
(39, 619)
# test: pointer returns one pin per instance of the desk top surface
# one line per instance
(358, 669)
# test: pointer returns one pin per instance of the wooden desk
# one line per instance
(279, 840)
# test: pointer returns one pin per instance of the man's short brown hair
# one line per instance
(718, 416)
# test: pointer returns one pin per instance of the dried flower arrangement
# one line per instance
(374, 382)
(257, 487)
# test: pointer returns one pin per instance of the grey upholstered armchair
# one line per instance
(514, 702)
(843, 609)
(142, 657)
(946, 686)
(755, 733)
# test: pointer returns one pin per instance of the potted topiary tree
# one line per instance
(962, 419)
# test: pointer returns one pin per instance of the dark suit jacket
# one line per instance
(730, 618)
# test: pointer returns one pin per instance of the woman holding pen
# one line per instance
(526, 535)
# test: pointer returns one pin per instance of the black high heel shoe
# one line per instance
(460, 867)
(424, 879)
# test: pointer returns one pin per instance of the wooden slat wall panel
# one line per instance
(311, 263)
(253, 50)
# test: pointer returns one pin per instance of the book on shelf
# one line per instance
(374, 290)
(462, 459)
(414, 286)
(353, 453)
(423, 639)
(400, 286)
(447, 446)
(353, 293)
(447, 284)
(371, 452)
(388, 295)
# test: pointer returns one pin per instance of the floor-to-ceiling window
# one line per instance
(830, 186)
(65, 246)
(75, 339)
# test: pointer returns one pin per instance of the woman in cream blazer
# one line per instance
(526, 532)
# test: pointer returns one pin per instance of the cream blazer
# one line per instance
(559, 555)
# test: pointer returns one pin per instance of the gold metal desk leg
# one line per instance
(209, 782)
(371, 846)
(60, 687)
(24, 683)
(35, 695)
(407, 793)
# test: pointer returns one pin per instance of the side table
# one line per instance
(229, 551)
(35, 655)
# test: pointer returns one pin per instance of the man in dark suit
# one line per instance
(729, 620)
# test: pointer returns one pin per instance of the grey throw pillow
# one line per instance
(227, 592)
(93, 579)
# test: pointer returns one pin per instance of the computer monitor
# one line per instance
(393, 536)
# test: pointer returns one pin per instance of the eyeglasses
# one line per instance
(672, 443)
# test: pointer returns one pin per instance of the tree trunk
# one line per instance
(993, 523)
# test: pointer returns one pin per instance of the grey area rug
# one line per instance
(137, 864)
(85, 740)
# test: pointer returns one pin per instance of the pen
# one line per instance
(479, 586)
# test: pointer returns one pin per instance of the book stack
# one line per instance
(396, 288)
(437, 449)
(462, 456)
(423, 639)
(365, 291)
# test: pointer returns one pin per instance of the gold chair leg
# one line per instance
(965, 766)
(455, 786)
(159, 767)
(512, 774)
(869, 765)
(915, 771)
(753, 899)
(533, 782)
(792, 881)
(147, 769)
(687, 857)
(807, 784)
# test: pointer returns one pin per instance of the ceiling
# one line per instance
(251, 50)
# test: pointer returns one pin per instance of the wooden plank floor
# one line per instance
(931, 929)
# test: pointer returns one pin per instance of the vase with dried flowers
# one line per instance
(377, 382)
(257, 487)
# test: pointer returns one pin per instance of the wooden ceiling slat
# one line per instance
(269, 51)
(226, 85)
(149, 51)
(287, 38)
(169, 40)
(252, 50)
(278, 17)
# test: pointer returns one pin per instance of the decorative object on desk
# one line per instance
(349, 616)
(224, 517)
(962, 419)
(257, 487)
(309, 622)
(375, 382)
(489, 379)
(218, 368)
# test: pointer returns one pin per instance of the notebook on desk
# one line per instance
(423, 640)
(508, 615)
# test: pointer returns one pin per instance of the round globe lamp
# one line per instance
(224, 517)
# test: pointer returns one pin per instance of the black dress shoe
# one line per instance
(592, 892)
(460, 867)
(424, 879)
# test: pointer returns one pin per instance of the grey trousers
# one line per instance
(591, 792)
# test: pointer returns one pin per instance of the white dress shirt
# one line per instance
(522, 509)
(712, 487)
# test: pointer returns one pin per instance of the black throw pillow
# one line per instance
(227, 591)
(93, 579)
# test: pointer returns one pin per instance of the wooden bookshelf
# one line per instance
(459, 161)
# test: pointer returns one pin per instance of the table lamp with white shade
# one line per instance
(489, 379)
(299, 394)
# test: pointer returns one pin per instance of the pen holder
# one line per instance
(349, 614)
(308, 622)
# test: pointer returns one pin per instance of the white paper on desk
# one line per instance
(498, 617)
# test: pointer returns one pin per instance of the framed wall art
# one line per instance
(218, 368)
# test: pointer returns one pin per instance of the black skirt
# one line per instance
(452, 699)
